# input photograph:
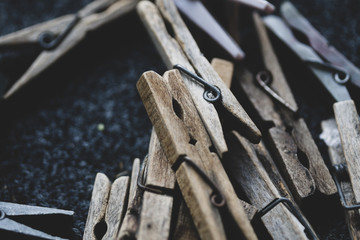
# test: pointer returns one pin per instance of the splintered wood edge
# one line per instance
(98, 204)
(347, 120)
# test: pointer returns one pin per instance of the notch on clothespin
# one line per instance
(331, 137)
(108, 205)
(245, 164)
(185, 52)
(18, 221)
(202, 180)
(58, 36)
(287, 134)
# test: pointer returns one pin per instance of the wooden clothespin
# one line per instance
(159, 206)
(287, 134)
(182, 49)
(58, 36)
(202, 180)
(294, 19)
(245, 164)
(331, 76)
(107, 206)
(331, 137)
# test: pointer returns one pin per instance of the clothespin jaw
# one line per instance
(294, 19)
(107, 207)
(326, 73)
(330, 135)
(12, 213)
(185, 52)
(59, 36)
(183, 137)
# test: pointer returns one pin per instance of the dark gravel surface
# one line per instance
(51, 146)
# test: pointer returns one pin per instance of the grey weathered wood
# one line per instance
(317, 168)
(286, 155)
(130, 223)
(347, 120)
(331, 137)
(79, 32)
(172, 52)
(155, 218)
(248, 172)
(203, 67)
(116, 207)
(185, 228)
(98, 204)
(275, 114)
(181, 133)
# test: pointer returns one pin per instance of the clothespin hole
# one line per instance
(100, 229)
(177, 109)
(217, 200)
(2, 214)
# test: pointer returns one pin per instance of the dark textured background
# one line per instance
(50, 146)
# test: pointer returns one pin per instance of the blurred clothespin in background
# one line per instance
(58, 36)
(18, 221)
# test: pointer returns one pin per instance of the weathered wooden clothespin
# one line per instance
(245, 165)
(203, 182)
(289, 139)
(182, 49)
(331, 137)
(108, 206)
(58, 36)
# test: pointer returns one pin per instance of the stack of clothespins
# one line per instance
(210, 172)
(214, 169)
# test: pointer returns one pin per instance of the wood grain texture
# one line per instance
(317, 168)
(279, 83)
(116, 207)
(130, 224)
(262, 102)
(185, 228)
(248, 172)
(204, 69)
(98, 204)
(155, 218)
(336, 154)
(172, 54)
(296, 175)
(79, 32)
(224, 69)
(347, 120)
(182, 133)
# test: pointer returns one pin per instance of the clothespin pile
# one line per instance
(217, 168)
(211, 172)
